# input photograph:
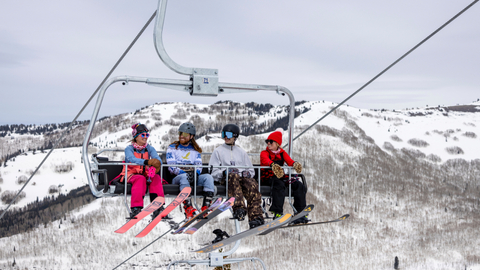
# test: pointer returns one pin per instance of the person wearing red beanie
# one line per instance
(275, 157)
(276, 136)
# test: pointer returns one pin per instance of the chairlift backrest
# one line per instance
(201, 82)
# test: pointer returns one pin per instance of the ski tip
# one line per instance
(191, 231)
(344, 217)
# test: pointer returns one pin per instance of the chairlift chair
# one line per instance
(201, 82)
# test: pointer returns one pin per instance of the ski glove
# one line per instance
(277, 170)
(229, 171)
(150, 174)
(233, 170)
(298, 167)
(246, 174)
(155, 163)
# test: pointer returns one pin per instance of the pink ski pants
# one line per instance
(139, 188)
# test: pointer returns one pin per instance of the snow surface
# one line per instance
(109, 213)
(25, 164)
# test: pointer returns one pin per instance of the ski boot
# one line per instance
(207, 200)
(302, 220)
(220, 235)
(276, 215)
(135, 211)
(158, 211)
(258, 221)
(190, 211)
(239, 214)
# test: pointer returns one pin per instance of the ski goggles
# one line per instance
(269, 141)
(138, 129)
(145, 135)
(183, 134)
(227, 134)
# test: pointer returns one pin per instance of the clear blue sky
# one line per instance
(54, 54)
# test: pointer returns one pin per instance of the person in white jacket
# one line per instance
(241, 184)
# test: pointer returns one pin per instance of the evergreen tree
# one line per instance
(395, 265)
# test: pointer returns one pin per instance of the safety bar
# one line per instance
(226, 178)
(104, 171)
(177, 85)
(159, 152)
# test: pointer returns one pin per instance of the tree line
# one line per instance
(41, 212)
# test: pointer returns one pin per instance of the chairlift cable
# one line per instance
(81, 111)
(386, 69)
(143, 248)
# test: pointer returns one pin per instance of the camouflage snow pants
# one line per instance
(240, 188)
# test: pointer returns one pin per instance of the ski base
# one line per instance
(304, 212)
(342, 218)
(197, 217)
(275, 223)
(176, 202)
(217, 211)
(157, 203)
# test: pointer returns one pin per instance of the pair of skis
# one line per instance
(189, 227)
(263, 229)
(156, 204)
(342, 218)
(280, 223)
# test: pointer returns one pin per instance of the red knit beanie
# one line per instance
(276, 136)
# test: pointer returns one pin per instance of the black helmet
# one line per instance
(187, 127)
(138, 129)
(232, 128)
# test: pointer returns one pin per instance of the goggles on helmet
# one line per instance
(183, 134)
(227, 134)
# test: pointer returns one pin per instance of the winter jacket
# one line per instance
(183, 155)
(133, 155)
(267, 157)
(226, 155)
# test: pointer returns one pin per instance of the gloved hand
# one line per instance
(155, 163)
(183, 170)
(277, 170)
(233, 170)
(151, 172)
(246, 174)
(229, 171)
(298, 167)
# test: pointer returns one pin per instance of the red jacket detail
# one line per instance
(267, 157)
(135, 169)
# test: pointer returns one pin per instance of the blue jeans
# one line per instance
(205, 180)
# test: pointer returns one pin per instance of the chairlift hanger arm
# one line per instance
(158, 38)
(202, 81)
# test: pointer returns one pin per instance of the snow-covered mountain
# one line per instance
(408, 178)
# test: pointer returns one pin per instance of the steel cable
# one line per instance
(81, 111)
(360, 89)
(386, 69)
